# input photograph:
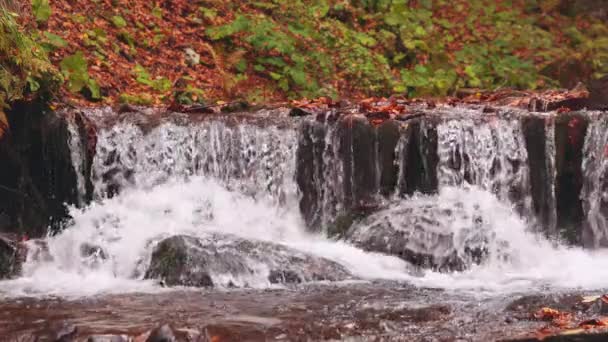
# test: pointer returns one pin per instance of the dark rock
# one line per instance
(227, 331)
(527, 305)
(422, 234)
(88, 250)
(378, 116)
(310, 171)
(236, 106)
(388, 134)
(37, 175)
(10, 263)
(358, 156)
(92, 255)
(540, 179)
(408, 116)
(599, 307)
(37, 250)
(127, 108)
(163, 333)
(489, 109)
(298, 112)
(67, 333)
(283, 277)
(418, 158)
(177, 264)
(190, 261)
(570, 132)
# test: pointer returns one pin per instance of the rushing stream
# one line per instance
(224, 183)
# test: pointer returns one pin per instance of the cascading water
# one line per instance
(551, 224)
(488, 154)
(77, 155)
(194, 180)
(209, 178)
(594, 192)
(252, 160)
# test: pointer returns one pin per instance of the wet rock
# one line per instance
(108, 338)
(203, 262)
(235, 332)
(236, 106)
(37, 175)
(298, 112)
(38, 250)
(66, 333)
(163, 333)
(358, 156)
(9, 260)
(88, 250)
(418, 158)
(92, 255)
(177, 264)
(540, 178)
(388, 134)
(283, 277)
(192, 57)
(570, 132)
(311, 171)
(423, 235)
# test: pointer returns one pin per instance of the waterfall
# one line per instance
(551, 222)
(594, 192)
(228, 183)
(77, 155)
(489, 154)
(256, 161)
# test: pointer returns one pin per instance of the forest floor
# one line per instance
(192, 52)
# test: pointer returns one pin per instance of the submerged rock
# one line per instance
(425, 234)
(225, 260)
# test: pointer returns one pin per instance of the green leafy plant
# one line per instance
(24, 67)
(41, 10)
(119, 21)
(75, 71)
(143, 76)
(52, 42)
(136, 99)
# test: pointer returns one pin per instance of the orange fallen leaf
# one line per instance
(547, 314)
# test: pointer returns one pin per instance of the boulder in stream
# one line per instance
(226, 260)
(425, 234)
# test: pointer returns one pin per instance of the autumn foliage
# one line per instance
(192, 52)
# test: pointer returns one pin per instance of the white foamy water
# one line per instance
(127, 226)
(239, 182)
(519, 260)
